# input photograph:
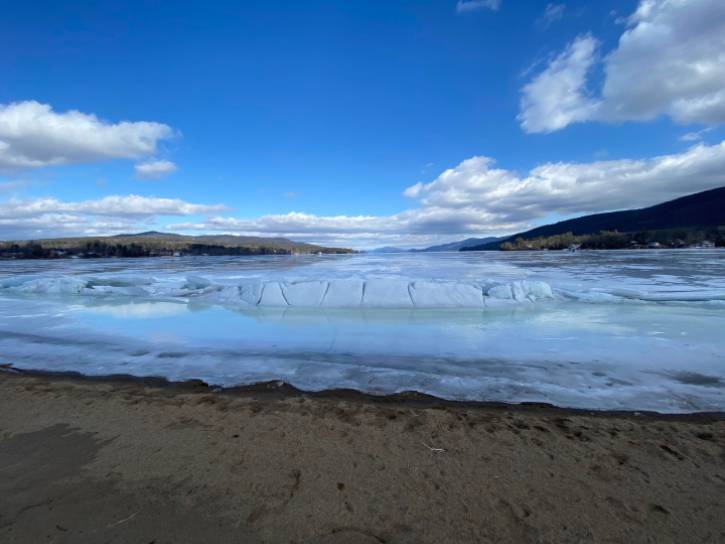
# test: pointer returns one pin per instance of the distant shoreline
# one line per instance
(353, 252)
(158, 244)
(165, 256)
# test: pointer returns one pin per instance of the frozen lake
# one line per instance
(608, 330)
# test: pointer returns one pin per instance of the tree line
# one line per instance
(666, 238)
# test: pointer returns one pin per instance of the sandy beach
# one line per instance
(115, 460)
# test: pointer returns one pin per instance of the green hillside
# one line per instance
(157, 244)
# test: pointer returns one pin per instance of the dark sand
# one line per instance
(123, 461)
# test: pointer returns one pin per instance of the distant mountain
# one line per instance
(461, 244)
(155, 244)
(388, 249)
(451, 246)
(150, 234)
(705, 209)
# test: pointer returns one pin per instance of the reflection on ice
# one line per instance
(134, 309)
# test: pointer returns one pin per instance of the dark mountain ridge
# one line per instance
(704, 209)
(450, 246)
(458, 246)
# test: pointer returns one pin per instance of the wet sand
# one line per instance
(87, 461)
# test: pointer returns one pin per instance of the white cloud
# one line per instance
(32, 135)
(154, 169)
(670, 60)
(59, 225)
(552, 13)
(128, 205)
(477, 198)
(411, 228)
(466, 6)
(474, 198)
(557, 96)
(574, 188)
(50, 217)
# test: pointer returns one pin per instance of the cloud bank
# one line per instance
(478, 198)
(50, 217)
(474, 198)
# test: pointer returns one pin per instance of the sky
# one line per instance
(355, 123)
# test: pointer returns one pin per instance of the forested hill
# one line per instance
(157, 244)
(705, 209)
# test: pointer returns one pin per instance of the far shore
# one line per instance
(143, 460)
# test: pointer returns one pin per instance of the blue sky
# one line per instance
(335, 110)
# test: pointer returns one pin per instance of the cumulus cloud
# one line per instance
(478, 198)
(154, 169)
(557, 96)
(670, 60)
(466, 6)
(50, 217)
(573, 188)
(32, 135)
(411, 228)
(552, 13)
(59, 225)
(475, 198)
(127, 205)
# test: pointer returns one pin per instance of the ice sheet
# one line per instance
(624, 330)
